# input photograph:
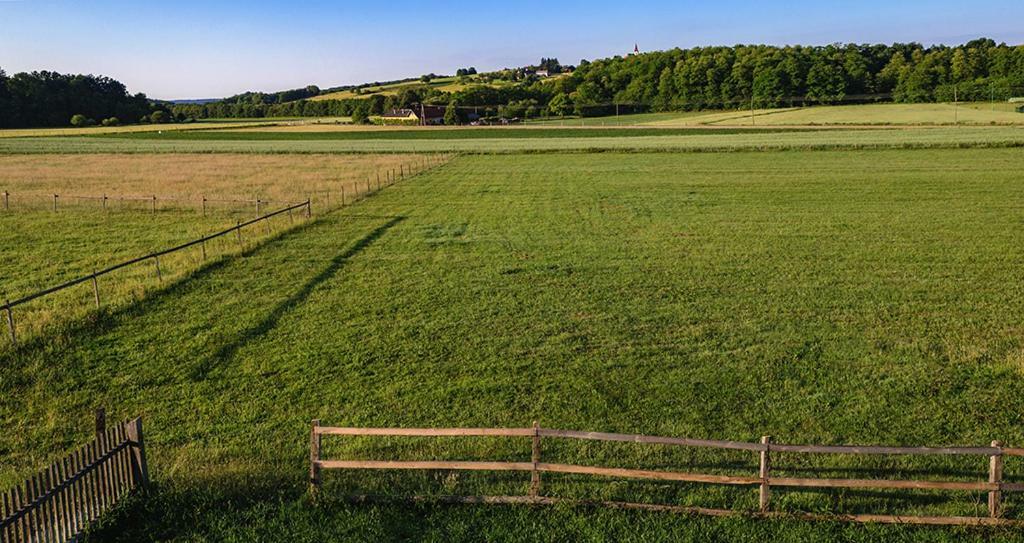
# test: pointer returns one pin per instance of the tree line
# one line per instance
(739, 76)
(51, 99)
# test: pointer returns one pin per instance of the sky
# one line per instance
(211, 49)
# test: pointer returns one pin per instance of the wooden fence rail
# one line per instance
(995, 486)
(59, 502)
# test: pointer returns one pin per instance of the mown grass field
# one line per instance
(529, 141)
(846, 297)
(970, 114)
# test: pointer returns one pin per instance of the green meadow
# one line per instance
(525, 140)
(858, 296)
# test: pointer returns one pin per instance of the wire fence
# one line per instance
(205, 244)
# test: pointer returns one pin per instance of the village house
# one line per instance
(416, 115)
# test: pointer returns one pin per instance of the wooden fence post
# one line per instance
(140, 471)
(10, 322)
(535, 457)
(54, 203)
(995, 476)
(257, 207)
(764, 495)
(203, 244)
(154, 203)
(267, 222)
(314, 458)
(95, 288)
(309, 209)
(7, 200)
(159, 276)
(104, 202)
(378, 178)
(101, 421)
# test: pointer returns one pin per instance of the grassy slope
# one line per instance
(728, 296)
(864, 114)
(710, 140)
(445, 84)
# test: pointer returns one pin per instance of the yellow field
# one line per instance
(201, 125)
(190, 176)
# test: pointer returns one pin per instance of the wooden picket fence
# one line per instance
(59, 502)
(764, 481)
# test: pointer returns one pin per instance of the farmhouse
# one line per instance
(422, 115)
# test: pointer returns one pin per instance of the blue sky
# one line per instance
(199, 49)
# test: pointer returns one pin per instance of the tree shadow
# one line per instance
(275, 315)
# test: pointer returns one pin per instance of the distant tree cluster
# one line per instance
(50, 99)
(722, 77)
(691, 79)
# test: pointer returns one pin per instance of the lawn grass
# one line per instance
(796, 294)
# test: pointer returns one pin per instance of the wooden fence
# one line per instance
(763, 480)
(58, 503)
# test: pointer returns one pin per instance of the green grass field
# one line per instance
(847, 297)
(969, 114)
(527, 141)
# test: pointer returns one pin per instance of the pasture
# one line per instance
(882, 114)
(525, 140)
(42, 247)
(834, 296)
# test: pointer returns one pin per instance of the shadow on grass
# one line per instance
(253, 333)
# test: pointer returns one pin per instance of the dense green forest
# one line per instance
(708, 78)
(50, 99)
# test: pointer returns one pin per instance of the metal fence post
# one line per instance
(764, 496)
(309, 209)
(159, 276)
(238, 233)
(7, 200)
(204, 206)
(54, 203)
(154, 203)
